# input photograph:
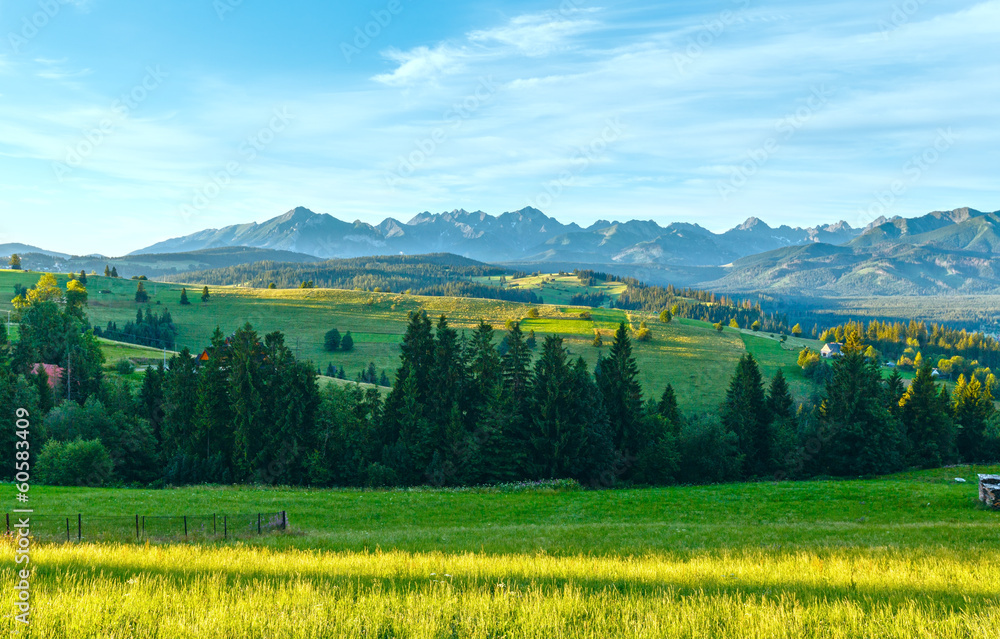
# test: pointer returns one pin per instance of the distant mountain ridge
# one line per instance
(523, 235)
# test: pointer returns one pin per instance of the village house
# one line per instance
(830, 350)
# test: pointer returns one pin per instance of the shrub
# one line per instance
(77, 463)
(124, 366)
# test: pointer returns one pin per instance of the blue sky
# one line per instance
(123, 123)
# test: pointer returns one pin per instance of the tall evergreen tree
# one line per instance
(972, 404)
(557, 436)
(617, 377)
(745, 412)
(858, 433)
(213, 412)
(141, 296)
(248, 396)
(928, 425)
(180, 391)
(151, 400)
(184, 297)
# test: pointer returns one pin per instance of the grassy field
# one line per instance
(901, 556)
(690, 354)
(557, 289)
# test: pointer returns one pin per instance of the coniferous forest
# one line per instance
(464, 409)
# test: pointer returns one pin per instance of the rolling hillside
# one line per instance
(689, 354)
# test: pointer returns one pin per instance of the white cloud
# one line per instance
(535, 34)
(420, 64)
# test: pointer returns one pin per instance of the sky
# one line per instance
(123, 123)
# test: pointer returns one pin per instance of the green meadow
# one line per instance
(899, 556)
(689, 354)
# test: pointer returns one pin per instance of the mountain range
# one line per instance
(527, 235)
(943, 252)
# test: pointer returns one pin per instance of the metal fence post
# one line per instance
(185, 527)
(67, 530)
(79, 527)
(225, 527)
(258, 523)
(215, 528)
(284, 520)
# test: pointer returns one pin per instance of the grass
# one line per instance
(900, 556)
(689, 354)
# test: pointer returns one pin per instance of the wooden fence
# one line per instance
(139, 528)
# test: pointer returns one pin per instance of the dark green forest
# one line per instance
(463, 410)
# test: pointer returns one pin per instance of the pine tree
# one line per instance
(972, 404)
(617, 377)
(331, 371)
(184, 297)
(745, 413)
(859, 435)
(557, 436)
(669, 410)
(347, 342)
(107, 271)
(484, 371)
(213, 413)
(151, 400)
(141, 296)
(248, 400)
(894, 390)
(927, 422)
(114, 271)
(180, 391)
(205, 295)
(331, 341)
(83, 277)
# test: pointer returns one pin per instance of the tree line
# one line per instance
(476, 408)
(434, 275)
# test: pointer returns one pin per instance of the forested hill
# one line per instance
(434, 274)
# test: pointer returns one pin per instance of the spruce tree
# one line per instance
(972, 404)
(859, 435)
(331, 341)
(141, 296)
(114, 271)
(669, 410)
(107, 271)
(249, 400)
(745, 412)
(214, 413)
(556, 436)
(184, 297)
(151, 399)
(180, 393)
(617, 377)
(205, 295)
(928, 425)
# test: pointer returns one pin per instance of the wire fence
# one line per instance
(140, 528)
